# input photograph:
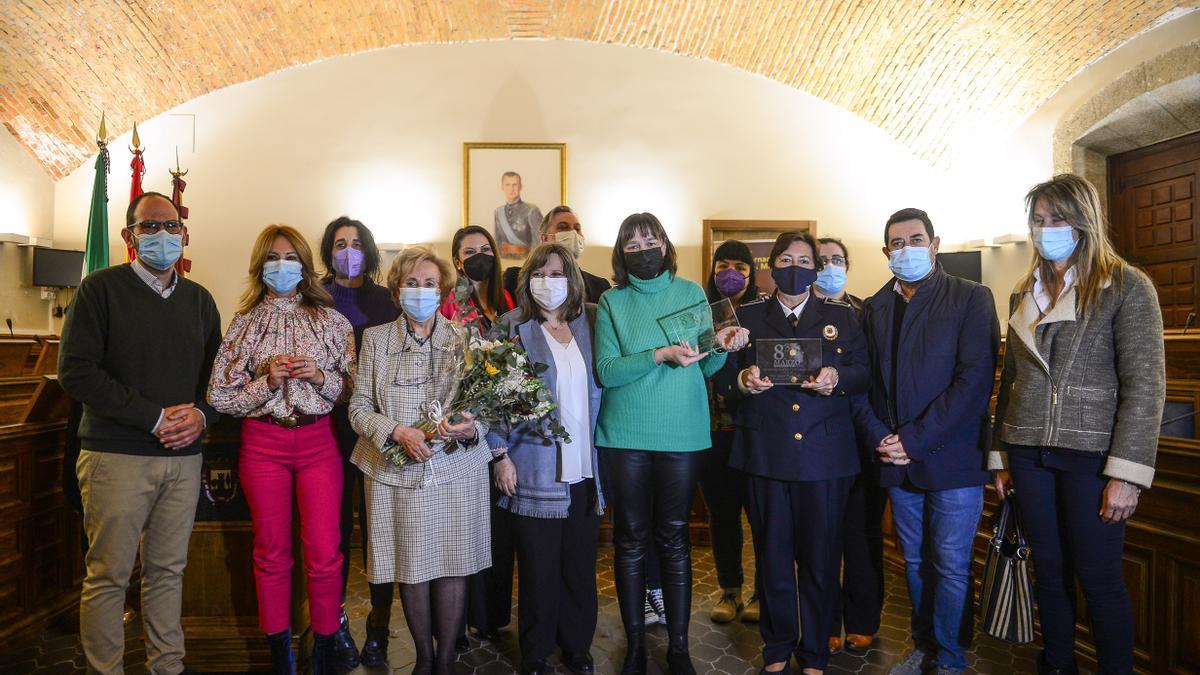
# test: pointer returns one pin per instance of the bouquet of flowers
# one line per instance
(502, 387)
(498, 385)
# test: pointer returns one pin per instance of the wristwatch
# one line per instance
(499, 458)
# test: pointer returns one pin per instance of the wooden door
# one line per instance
(1152, 208)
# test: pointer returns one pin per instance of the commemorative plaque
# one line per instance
(789, 361)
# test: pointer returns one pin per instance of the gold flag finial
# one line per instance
(102, 135)
(137, 142)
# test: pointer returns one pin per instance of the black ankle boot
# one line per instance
(679, 661)
(635, 654)
(374, 651)
(281, 653)
(323, 659)
(344, 647)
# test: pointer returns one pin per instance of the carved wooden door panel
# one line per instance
(1152, 208)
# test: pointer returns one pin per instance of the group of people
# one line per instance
(331, 370)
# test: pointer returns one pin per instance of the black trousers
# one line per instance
(797, 543)
(860, 603)
(1059, 502)
(352, 484)
(652, 497)
(556, 564)
(489, 592)
(724, 493)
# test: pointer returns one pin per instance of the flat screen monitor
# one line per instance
(963, 264)
(56, 267)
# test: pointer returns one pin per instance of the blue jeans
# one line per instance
(936, 530)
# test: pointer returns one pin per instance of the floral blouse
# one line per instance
(281, 326)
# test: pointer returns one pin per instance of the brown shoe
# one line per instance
(750, 615)
(858, 644)
(835, 645)
(728, 607)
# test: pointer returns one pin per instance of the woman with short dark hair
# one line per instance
(652, 426)
(552, 489)
(795, 443)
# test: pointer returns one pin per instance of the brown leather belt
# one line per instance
(293, 421)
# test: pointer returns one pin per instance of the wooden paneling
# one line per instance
(1152, 208)
(40, 552)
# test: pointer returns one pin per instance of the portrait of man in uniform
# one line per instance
(516, 221)
(528, 175)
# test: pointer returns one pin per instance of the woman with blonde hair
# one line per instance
(286, 359)
(429, 517)
(1077, 417)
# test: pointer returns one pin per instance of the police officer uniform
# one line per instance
(799, 453)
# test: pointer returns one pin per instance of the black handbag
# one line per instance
(1007, 596)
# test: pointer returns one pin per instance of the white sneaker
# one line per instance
(651, 615)
(656, 602)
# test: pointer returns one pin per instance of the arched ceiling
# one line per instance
(934, 74)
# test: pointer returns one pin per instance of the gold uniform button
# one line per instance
(798, 435)
(839, 350)
(795, 407)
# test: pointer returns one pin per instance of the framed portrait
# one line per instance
(508, 186)
(758, 235)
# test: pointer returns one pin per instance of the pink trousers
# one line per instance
(273, 460)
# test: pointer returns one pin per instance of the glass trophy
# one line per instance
(788, 361)
(699, 324)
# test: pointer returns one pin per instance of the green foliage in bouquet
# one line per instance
(502, 387)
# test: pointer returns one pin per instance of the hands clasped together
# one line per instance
(416, 444)
(285, 367)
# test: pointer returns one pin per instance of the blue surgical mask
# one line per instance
(420, 303)
(159, 250)
(911, 263)
(1054, 243)
(282, 276)
(831, 280)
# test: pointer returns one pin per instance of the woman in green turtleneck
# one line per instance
(653, 424)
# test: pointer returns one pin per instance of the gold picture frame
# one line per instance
(486, 171)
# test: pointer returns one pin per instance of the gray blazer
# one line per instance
(1102, 386)
(540, 492)
(396, 377)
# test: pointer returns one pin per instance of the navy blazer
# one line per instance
(794, 434)
(946, 369)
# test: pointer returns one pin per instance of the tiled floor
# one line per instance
(731, 648)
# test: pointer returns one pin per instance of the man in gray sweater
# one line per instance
(137, 347)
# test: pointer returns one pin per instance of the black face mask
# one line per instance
(793, 280)
(480, 267)
(646, 264)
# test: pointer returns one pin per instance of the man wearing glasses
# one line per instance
(137, 347)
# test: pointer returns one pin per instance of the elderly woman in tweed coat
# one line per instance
(429, 518)
(1077, 417)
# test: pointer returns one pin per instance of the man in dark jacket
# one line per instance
(933, 340)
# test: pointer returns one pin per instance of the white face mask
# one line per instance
(548, 292)
(572, 240)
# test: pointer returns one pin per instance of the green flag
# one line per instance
(96, 255)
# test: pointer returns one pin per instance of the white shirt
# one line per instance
(789, 313)
(571, 385)
(152, 280)
(1041, 294)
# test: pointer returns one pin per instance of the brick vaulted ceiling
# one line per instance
(930, 73)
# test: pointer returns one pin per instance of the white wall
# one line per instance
(378, 136)
(27, 209)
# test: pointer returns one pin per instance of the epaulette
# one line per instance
(753, 302)
(836, 301)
